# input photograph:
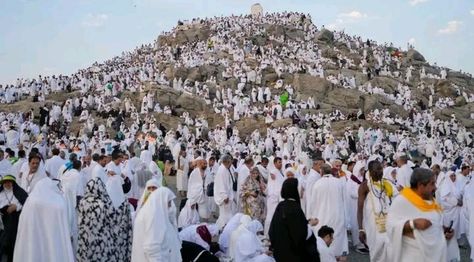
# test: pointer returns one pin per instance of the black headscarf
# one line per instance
(18, 192)
(289, 189)
(10, 221)
(289, 228)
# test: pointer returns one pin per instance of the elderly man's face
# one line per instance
(428, 190)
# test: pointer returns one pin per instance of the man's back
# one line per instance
(404, 175)
(327, 205)
(53, 165)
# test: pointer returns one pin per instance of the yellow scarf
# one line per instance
(418, 202)
(385, 185)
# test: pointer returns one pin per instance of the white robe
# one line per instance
(273, 196)
(5, 167)
(468, 215)
(115, 190)
(223, 190)
(313, 176)
(352, 198)
(224, 238)
(245, 245)
(327, 205)
(404, 175)
(325, 253)
(428, 245)
(155, 236)
(376, 240)
(53, 164)
(182, 174)
(196, 194)
(72, 186)
(43, 231)
(448, 197)
(28, 182)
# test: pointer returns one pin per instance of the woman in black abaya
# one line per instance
(289, 228)
(12, 198)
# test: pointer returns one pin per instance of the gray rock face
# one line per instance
(185, 35)
(460, 101)
(325, 94)
(415, 56)
(325, 36)
(307, 86)
(345, 98)
(444, 88)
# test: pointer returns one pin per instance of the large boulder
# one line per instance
(295, 34)
(282, 123)
(444, 88)
(325, 36)
(185, 35)
(348, 98)
(460, 101)
(388, 84)
(415, 56)
(191, 103)
(247, 125)
(276, 30)
(166, 96)
(307, 85)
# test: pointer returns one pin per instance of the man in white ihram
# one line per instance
(415, 222)
(224, 195)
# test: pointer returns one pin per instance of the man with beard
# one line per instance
(415, 222)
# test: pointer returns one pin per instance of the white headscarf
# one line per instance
(44, 216)
(300, 170)
(188, 216)
(152, 182)
(244, 222)
(387, 173)
(156, 236)
(357, 167)
(291, 170)
(115, 190)
(224, 239)
(247, 245)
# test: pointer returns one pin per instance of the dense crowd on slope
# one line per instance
(119, 170)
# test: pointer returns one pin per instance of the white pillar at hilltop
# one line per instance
(256, 10)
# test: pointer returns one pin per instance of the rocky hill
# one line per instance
(316, 63)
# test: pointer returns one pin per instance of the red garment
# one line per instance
(204, 234)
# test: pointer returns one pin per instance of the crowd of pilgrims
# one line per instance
(294, 193)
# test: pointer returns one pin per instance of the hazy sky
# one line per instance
(61, 36)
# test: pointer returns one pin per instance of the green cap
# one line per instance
(7, 178)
